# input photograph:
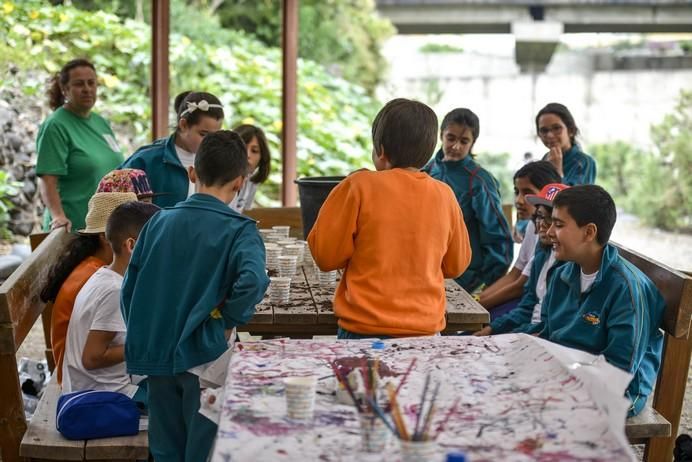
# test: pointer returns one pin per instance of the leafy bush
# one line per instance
(656, 186)
(440, 48)
(333, 115)
(8, 188)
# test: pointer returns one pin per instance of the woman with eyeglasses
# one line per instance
(557, 130)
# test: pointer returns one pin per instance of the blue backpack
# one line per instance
(84, 415)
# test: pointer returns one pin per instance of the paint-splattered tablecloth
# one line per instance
(518, 398)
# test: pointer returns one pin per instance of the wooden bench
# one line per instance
(657, 425)
(20, 307)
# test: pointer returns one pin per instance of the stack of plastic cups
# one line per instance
(306, 251)
(287, 266)
(282, 230)
(279, 290)
(418, 451)
(308, 261)
(273, 252)
(265, 232)
(300, 397)
(326, 278)
(296, 250)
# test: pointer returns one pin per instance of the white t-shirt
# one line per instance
(97, 307)
(188, 160)
(587, 280)
(243, 200)
(542, 288)
(528, 246)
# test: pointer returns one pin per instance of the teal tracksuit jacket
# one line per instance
(578, 167)
(519, 319)
(167, 176)
(618, 316)
(478, 194)
(197, 268)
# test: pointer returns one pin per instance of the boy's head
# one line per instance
(404, 135)
(583, 218)
(530, 179)
(221, 159)
(125, 223)
(543, 204)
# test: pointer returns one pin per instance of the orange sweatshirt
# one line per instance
(64, 303)
(398, 234)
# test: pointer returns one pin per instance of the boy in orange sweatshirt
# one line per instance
(396, 232)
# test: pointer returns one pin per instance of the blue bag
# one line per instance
(84, 415)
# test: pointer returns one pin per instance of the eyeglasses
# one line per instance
(537, 218)
(555, 129)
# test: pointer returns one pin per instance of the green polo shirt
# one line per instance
(79, 151)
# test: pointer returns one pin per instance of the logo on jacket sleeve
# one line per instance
(592, 318)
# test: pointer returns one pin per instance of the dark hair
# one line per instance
(563, 113)
(194, 117)
(539, 173)
(406, 129)
(247, 133)
(81, 247)
(589, 204)
(221, 158)
(465, 117)
(126, 221)
(56, 98)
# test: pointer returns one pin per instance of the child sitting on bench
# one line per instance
(598, 301)
(94, 349)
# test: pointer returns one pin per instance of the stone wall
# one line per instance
(19, 118)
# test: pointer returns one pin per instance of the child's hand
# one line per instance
(487, 330)
(555, 158)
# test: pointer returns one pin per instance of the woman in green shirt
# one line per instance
(75, 147)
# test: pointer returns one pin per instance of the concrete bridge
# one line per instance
(536, 24)
(497, 16)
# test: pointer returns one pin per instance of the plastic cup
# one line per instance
(265, 232)
(326, 278)
(300, 397)
(418, 451)
(374, 434)
(282, 230)
(273, 252)
(279, 290)
(287, 266)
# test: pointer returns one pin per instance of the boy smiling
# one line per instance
(599, 302)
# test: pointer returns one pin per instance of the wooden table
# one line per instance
(310, 310)
(503, 398)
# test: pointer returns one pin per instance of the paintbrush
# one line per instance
(405, 377)
(380, 413)
(428, 419)
(416, 431)
(396, 413)
(344, 381)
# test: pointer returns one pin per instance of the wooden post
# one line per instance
(160, 10)
(289, 100)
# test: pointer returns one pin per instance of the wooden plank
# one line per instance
(129, 448)
(264, 313)
(675, 286)
(12, 422)
(289, 99)
(46, 317)
(291, 330)
(323, 297)
(160, 68)
(42, 440)
(462, 308)
(280, 216)
(507, 212)
(36, 239)
(20, 303)
(669, 394)
(647, 424)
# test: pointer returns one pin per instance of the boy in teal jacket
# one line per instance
(598, 301)
(197, 270)
(478, 194)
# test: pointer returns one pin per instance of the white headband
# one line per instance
(202, 105)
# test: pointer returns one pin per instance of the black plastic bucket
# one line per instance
(313, 191)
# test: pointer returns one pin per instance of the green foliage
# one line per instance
(440, 48)
(498, 165)
(655, 186)
(8, 189)
(333, 115)
(345, 36)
